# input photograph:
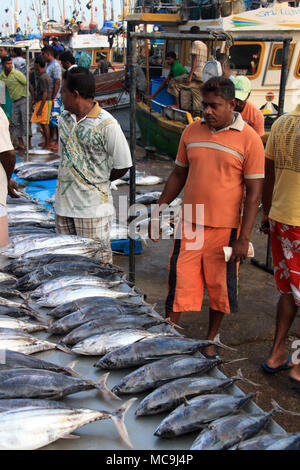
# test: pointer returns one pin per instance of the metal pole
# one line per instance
(27, 104)
(133, 64)
(284, 74)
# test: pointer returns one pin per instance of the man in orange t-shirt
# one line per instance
(249, 112)
(216, 159)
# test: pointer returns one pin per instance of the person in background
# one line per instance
(249, 112)
(57, 46)
(7, 164)
(176, 71)
(7, 106)
(53, 69)
(16, 85)
(217, 157)
(281, 206)
(42, 100)
(94, 152)
(18, 61)
(104, 65)
(67, 60)
(46, 41)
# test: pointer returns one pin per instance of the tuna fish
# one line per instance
(100, 326)
(16, 360)
(226, 432)
(198, 412)
(40, 383)
(172, 394)
(33, 427)
(290, 442)
(157, 373)
(19, 307)
(101, 344)
(39, 173)
(7, 279)
(78, 249)
(148, 350)
(16, 340)
(68, 294)
(7, 292)
(261, 442)
(7, 322)
(75, 319)
(61, 282)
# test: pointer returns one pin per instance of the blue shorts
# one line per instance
(55, 112)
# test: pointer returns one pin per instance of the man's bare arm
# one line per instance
(55, 88)
(253, 192)
(8, 160)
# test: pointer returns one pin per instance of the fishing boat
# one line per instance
(258, 57)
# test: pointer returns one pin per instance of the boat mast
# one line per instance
(112, 10)
(17, 25)
(104, 11)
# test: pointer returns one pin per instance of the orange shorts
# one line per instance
(44, 118)
(192, 269)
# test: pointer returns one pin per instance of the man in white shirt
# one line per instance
(7, 164)
(94, 152)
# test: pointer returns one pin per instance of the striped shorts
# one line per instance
(98, 229)
(192, 269)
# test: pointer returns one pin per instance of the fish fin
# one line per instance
(118, 420)
(239, 376)
(63, 348)
(103, 388)
(35, 314)
(235, 360)
(168, 320)
(278, 409)
(69, 436)
(217, 342)
(185, 401)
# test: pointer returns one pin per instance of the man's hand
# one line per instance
(265, 226)
(154, 229)
(39, 112)
(240, 249)
(12, 188)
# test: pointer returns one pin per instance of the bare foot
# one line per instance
(210, 350)
(277, 360)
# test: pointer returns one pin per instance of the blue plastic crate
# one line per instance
(123, 246)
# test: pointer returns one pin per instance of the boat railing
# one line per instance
(157, 6)
(171, 113)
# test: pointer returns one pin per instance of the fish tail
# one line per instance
(217, 342)
(278, 409)
(103, 388)
(63, 348)
(31, 312)
(239, 376)
(118, 420)
(70, 368)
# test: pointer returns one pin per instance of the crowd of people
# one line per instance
(220, 164)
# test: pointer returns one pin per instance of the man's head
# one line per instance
(218, 102)
(67, 59)
(39, 63)
(78, 86)
(7, 64)
(242, 87)
(3, 52)
(45, 41)
(48, 53)
(55, 41)
(170, 57)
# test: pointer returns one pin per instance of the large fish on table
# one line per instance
(65, 281)
(50, 271)
(172, 394)
(79, 249)
(103, 325)
(230, 430)
(148, 350)
(18, 307)
(100, 344)
(82, 304)
(264, 441)
(8, 292)
(13, 323)
(30, 218)
(33, 427)
(16, 360)
(38, 174)
(198, 412)
(39, 243)
(16, 340)
(157, 373)
(40, 383)
(75, 319)
(7, 279)
(20, 267)
(68, 294)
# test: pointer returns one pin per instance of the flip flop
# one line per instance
(273, 370)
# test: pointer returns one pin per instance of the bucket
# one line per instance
(163, 97)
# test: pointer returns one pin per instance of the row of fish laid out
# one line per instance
(37, 171)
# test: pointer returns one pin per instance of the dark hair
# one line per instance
(82, 80)
(6, 58)
(222, 58)
(48, 50)
(220, 86)
(40, 61)
(45, 38)
(67, 56)
(171, 54)
(18, 51)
